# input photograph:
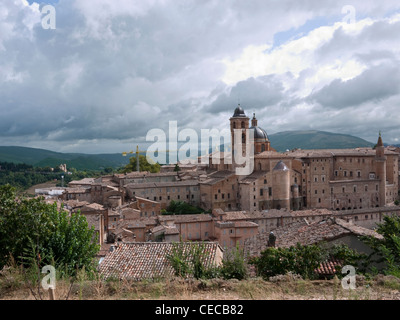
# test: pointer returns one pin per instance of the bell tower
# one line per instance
(239, 121)
(380, 161)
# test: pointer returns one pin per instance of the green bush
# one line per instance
(234, 265)
(32, 231)
(299, 259)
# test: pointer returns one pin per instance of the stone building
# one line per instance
(342, 179)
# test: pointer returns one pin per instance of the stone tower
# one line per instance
(239, 121)
(380, 161)
(281, 186)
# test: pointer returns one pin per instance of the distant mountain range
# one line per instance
(313, 139)
(44, 158)
(280, 141)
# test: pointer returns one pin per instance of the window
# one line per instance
(372, 175)
(261, 192)
(216, 197)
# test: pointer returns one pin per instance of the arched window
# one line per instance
(262, 147)
(234, 125)
(243, 126)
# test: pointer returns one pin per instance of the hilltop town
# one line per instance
(302, 196)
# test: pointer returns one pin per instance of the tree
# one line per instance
(181, 207)
(177, 168)
(30, 228)
(299, 259)
(387, 250)
(144, 165)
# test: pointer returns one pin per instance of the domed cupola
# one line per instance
(261, 140)
(239, 112)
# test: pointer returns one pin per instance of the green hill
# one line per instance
(313, 139)
(44, 158)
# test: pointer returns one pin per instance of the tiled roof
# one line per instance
(236, 215)
(328, 268)
(306, 234)
(218, 176)
(162, 184)
(83, 181)
(94, 206)
(334, 152)
(165, 229)
(147, 260)
(185, 218)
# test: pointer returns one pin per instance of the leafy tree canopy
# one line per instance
(144, 165)
(181, 207)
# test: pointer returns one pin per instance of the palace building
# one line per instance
(335, 179)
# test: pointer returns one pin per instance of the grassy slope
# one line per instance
(13, 287)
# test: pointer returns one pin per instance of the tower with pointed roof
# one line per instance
(380, 161)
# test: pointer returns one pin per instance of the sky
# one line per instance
(110, 71)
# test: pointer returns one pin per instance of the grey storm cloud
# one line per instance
(256, 93)
(374, 84)
(114, 70)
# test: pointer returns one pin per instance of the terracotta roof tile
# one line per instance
(147, 260)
